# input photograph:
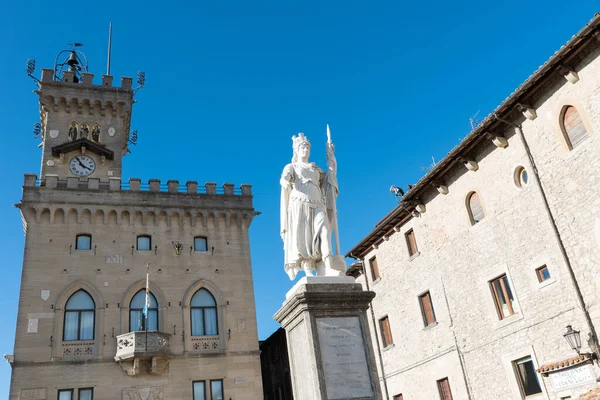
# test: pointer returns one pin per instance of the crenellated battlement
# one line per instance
(135, 185)
(87, 80)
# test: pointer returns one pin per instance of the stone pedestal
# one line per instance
(329, 345)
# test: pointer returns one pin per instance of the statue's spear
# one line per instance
(336, 234)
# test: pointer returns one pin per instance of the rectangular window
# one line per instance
(199, 393)
(374, 268)
(542, 273)
(444, 388)
(83, 242)
(503, 297)
(427, 309)
(386, 332)
(65, 394)
(527, 377)
(86, 394)
(216, 390)
(398, 397)
(411, 243)
(200, 244)
(144, 243)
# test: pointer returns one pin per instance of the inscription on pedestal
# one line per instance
(344, 358)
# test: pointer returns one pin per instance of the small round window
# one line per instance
(521, 177)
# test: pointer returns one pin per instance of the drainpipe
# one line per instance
(376, 338)
(593, 337)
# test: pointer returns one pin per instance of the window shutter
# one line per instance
(411, 242)
(386, 332)
(374, 268)
(427, 307)
(444, 387)
(476, 208)
(574, 127)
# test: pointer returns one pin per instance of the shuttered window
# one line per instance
(398, 397)
(444, 388)
(503, 297)
(374, 268)
(573, 127)
(427, 309)
(386, 332)
(411, 243)
(475, 209)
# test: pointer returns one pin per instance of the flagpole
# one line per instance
(147, 296)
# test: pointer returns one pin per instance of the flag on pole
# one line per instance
(147, 303)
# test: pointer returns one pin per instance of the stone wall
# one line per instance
(457, 260)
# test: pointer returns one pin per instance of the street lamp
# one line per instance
(573, 338)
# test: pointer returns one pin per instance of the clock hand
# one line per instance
(82, 164)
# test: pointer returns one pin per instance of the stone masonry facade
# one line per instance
(471, 344)
(114, 362)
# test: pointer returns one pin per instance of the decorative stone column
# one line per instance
(329, 345)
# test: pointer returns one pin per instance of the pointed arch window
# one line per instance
(203, 309)
(137, 320)
(573, 127)
(475, 208)
(80, 316)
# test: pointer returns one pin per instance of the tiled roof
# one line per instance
(569, 362)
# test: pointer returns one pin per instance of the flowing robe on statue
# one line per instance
(304, 221)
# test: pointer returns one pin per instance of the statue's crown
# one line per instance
(299, 140)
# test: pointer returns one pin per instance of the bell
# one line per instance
(72, 61)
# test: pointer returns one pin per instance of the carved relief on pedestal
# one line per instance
(144, 393)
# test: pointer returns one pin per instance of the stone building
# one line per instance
(90, 240)
(274, 360)
(494, 252)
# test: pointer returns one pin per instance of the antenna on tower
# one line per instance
(109, 48)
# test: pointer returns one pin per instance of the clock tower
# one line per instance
(84, 126)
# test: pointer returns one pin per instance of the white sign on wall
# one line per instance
(571, 377)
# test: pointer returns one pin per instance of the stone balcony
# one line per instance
(138, 350)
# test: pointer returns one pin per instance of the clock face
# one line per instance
(82, 165)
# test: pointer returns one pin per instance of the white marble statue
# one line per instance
(309, 214)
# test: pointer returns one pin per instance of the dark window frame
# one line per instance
(520, 383)
(204, 308)
(222, 388)
(72, 391)
(137, 242)
(194, 392)
(141, 309)
(411, 242)
(205, 242)
(85, 388)
(386, 331)
(79, 311)
(374, 266)
(427, 297)
(506, 293)
(539, 272)
(77, 240)
(440, 383)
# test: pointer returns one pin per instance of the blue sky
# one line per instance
(229, 82)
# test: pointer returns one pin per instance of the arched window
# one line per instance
(573, 127)
(137, 321)
(80, 315)
(475, 209)
(203, 309)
